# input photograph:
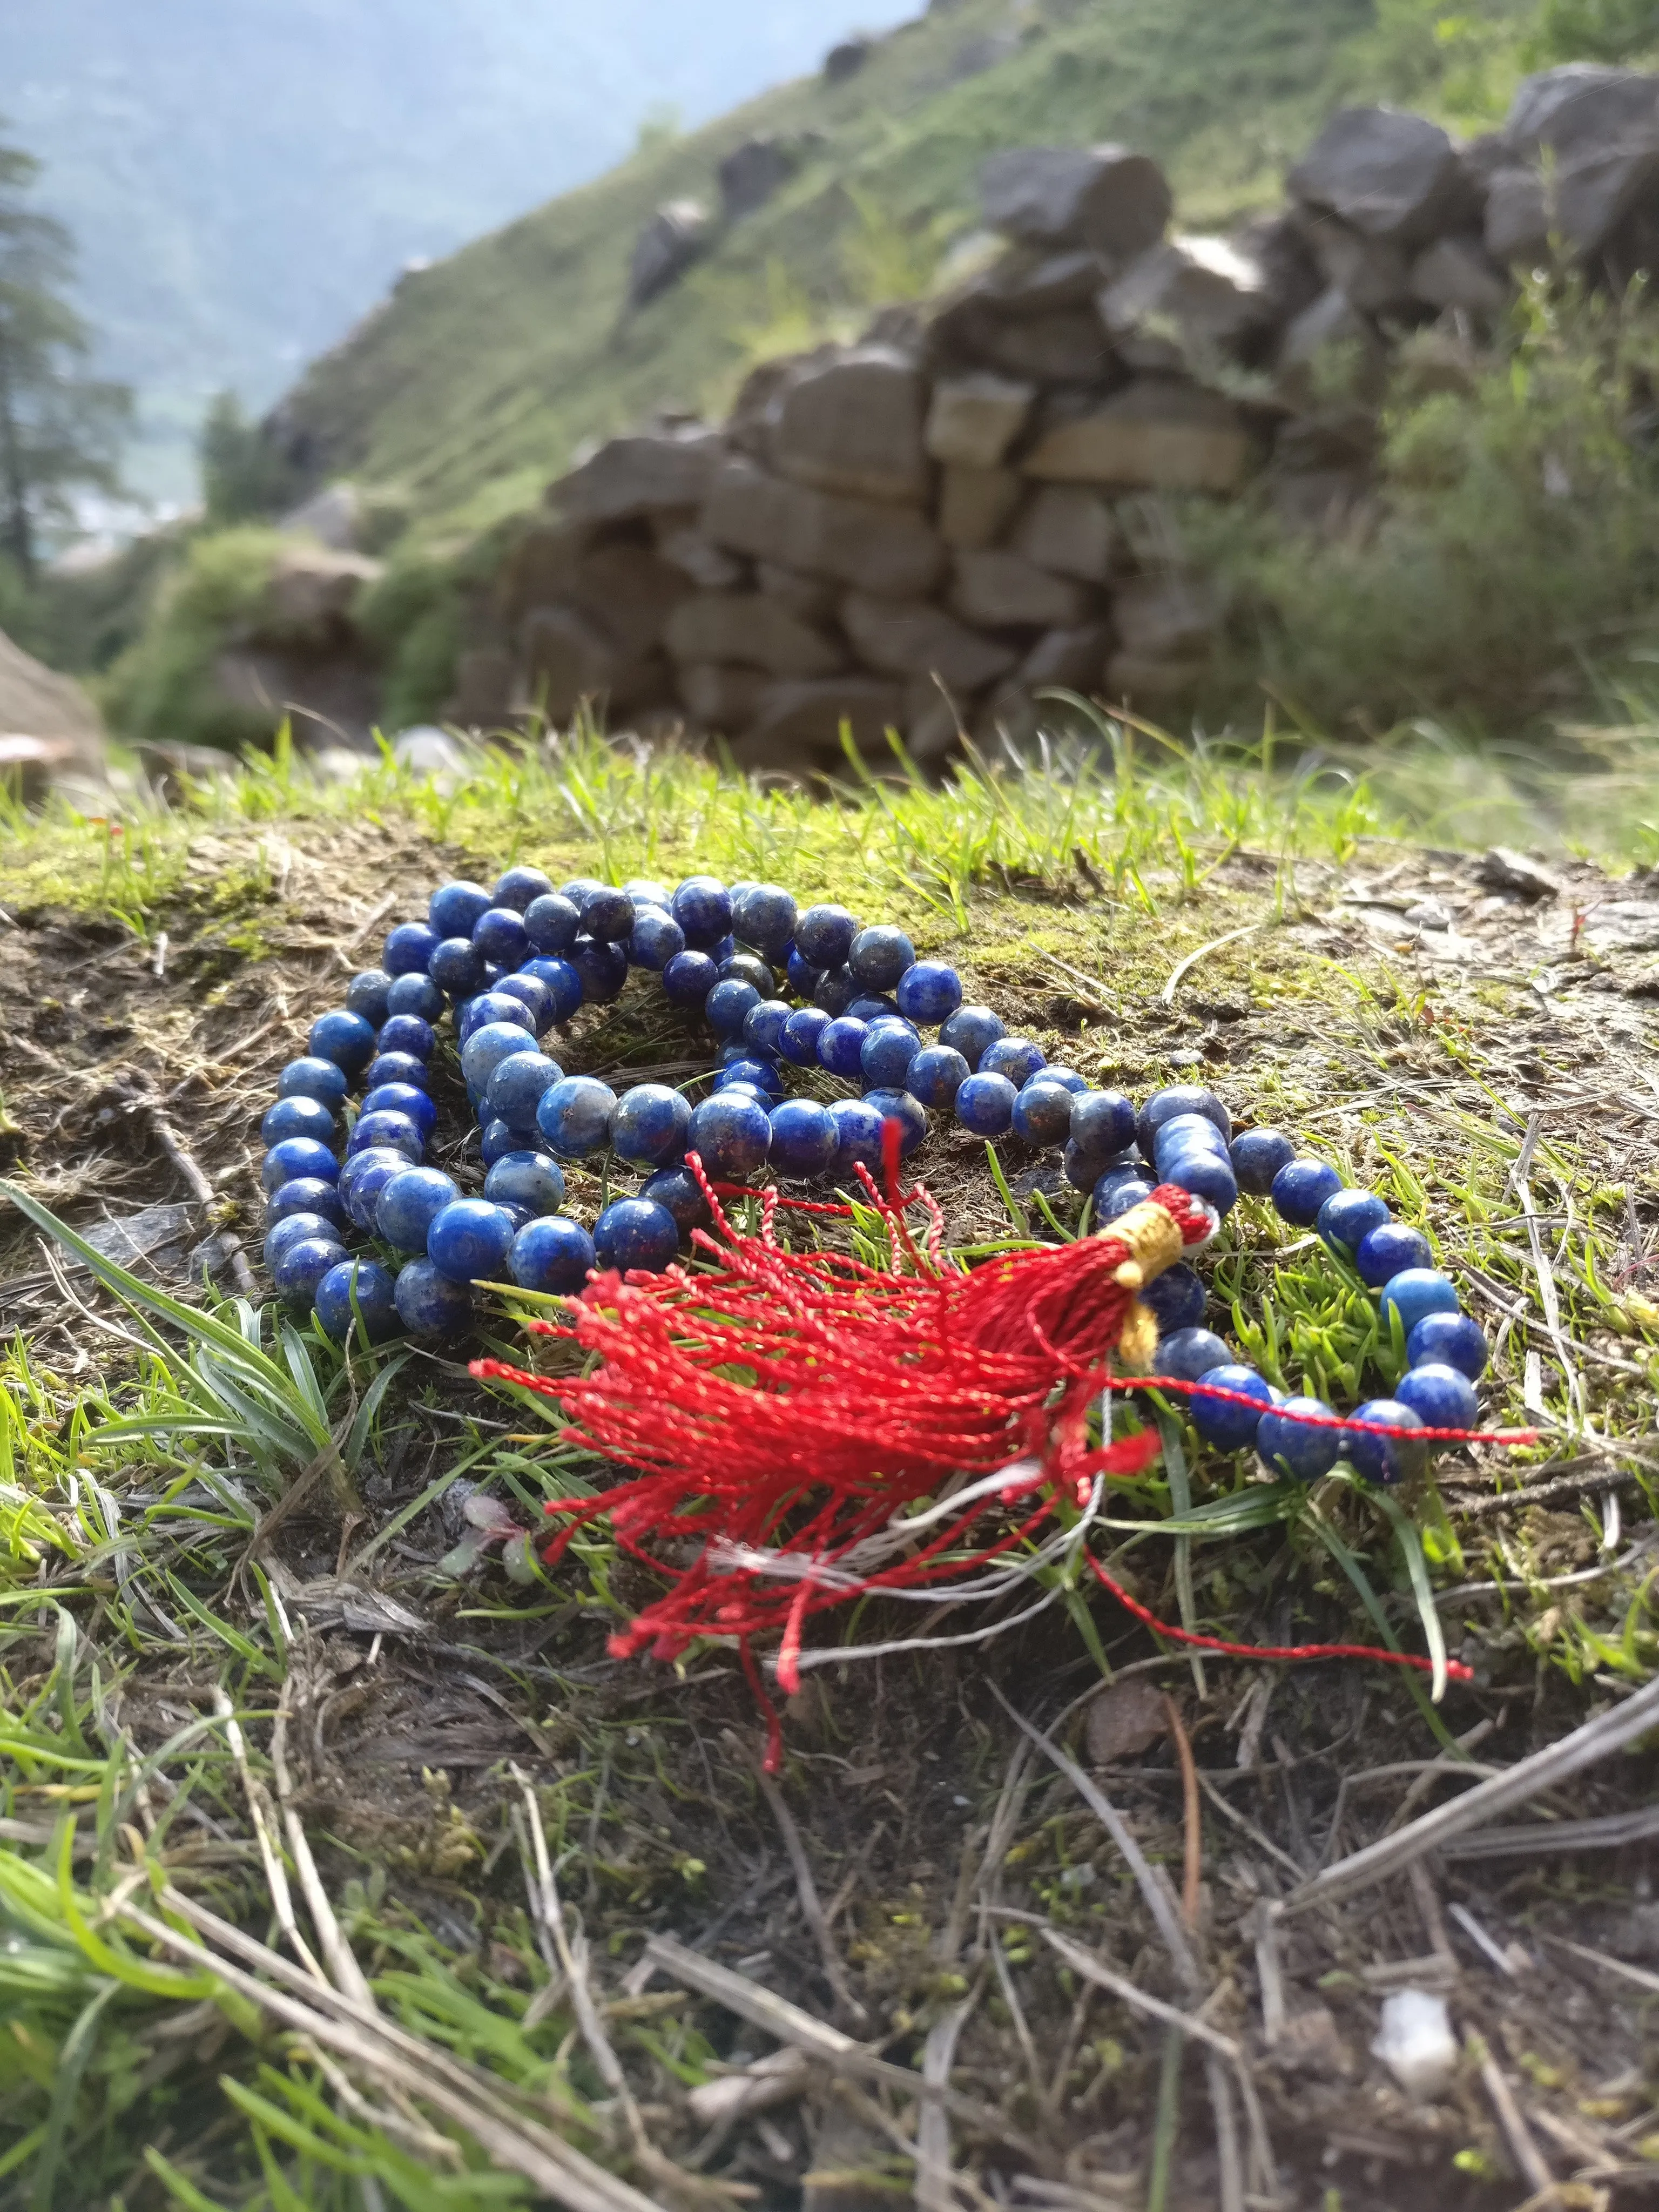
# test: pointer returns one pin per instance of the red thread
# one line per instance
(1456, 1671)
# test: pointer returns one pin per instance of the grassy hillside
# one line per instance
(474, 383)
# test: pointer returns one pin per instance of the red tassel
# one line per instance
(782, 1412)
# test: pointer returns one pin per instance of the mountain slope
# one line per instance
(243, 178)
(477, 379)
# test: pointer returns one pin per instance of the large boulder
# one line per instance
(1066, 659)
(1104, 197)
(851, 421)
(814, 598)
(709, 566)
(50, 731)
(1163, 617)
(567, 657)
(672, 239)
(997, 589)
(631, 476)
(1155, 433)
(910, 638)
(751, 630)
(847, 58)
(1071, 530)
(1205, 292)
(973, 420)
(1066, 346)
(630, 592)
(1386, 173)
(1036, 280)
(975, 506)
(1458, 272)
(1579, 108)
(799, 725)
(1373, 273)
(880, 548)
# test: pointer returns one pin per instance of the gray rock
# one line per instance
(1278, 245)
(311, 593)
(755, 632)
(932, 720)
(798, 725)
(723, 700)
(1373, 273)
(632, 475)
(1456, 273)
(1578, 109)
(1517, 221)
(1163, 617)
(709, 566)
(1139, 681)
(1068, 346)
(975, 506)
(1502, 868)
(671, 240)
(1105, 197)
(155, 1235)
(812, 598)
(884, 549)
(483, 696)
(910, 638)
(1204, 291)
(974, 56)
(1166, 436)
(752, 173)
(628, 593)
(846, 59)
(1331, 322)
(425, 750)
(1319, 502)
(567, 658)
(973, 420)
(998, 589)
(1388, 174)
(1070, 530)
(1036, 280)
(331, 516)
(852, 422)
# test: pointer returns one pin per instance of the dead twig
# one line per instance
(811, 1904)
(934, 2191)
(1192, 1878)
(1517, 2134)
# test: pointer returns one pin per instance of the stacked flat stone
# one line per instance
(780, 987)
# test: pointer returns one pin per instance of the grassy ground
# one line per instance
(280, 1673)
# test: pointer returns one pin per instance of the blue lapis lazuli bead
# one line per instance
(1184, 1354)
(1257, 1157)
(362, 1179)
(346, 1039)
(553, 922)
(835, 991)
(1179, 1098)
(645, 891)
(764, 1026)
(487, 1048)
(358, 1293)
(1067, 1077)
(574, 1116)
(305, 1194)
(1102, 1121)
(430, 1304)
(295, 1157)
(858, 1138)
(1208, 1175)
(602, 968)
(533, 994)
(1018, 1058)
(1115, 1194)
(562, 985)
(1221, 1421)
(469, 1240)
(732, 1135)
(519, 887)
(1415, 1293)
(765, 917)
(651, 1125)
(728, 1005)
(609, 914)
(406, 1098)
(656, 938)
(678, 1190)
(408, 1204)
(1175, 1298)
(636, 1233)
(1301, 1188)
(803, 1139)
(1441, 1396)
(516, 1087)
(395, 1131)
(928, 993)
(972, 1030)
(366, 994)
(899, 1106)
(800, 975)
(1185, 1132)
(1042, 1112)
(936, 1074)
(497, 1139)
(1451, 1339)
(841, 1047)
(688, 979)
(552, 1256)
(297, 1116)
(797, 1041)
(458, 968)
(407, 1033)
(311, 1077)
(474, 1014)
(528, 1179)
(1348, 1217)
(985, 1105)
(415, 995)
(885, 1056)
(1303, 1450)
(702, 907)
(880, 956)
(823, 936)
(408, 947)
(1389, 1249)
(398, 1068)
(293, 1229)
(1388, 1459)
(454, 910)
(303, 1265)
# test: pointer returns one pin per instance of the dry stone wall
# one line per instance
(919, 532)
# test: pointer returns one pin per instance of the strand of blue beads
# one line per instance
(780, 987)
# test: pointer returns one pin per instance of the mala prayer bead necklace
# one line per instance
(877, 1389)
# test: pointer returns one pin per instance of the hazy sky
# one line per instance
(247, 177)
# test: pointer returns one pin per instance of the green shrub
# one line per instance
(165, 686)
(1517, 538)
(1595, 30)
